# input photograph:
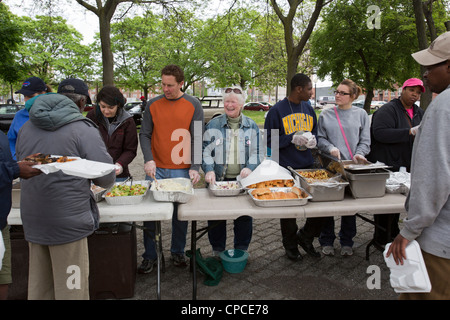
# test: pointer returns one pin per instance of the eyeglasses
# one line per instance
(341, 93)
(235, 90)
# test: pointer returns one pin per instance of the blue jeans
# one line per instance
(243, 228)
(346, 234)
(179, 228)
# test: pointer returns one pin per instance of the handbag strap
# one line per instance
(343, 133)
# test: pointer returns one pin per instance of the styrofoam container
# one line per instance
(126, 200)
(412, 276)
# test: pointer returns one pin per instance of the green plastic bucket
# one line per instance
(234, 260)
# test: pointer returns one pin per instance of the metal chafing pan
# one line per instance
(365, 180)
(331, 190)
(173, 196)
(281, 202)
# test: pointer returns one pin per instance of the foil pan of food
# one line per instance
(279, 197)
(172, 190)
(322, 184)
(226, 188)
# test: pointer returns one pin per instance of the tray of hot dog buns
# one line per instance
(279, 197)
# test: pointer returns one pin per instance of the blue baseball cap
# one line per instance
(31, 86)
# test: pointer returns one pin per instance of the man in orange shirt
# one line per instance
(171, 142)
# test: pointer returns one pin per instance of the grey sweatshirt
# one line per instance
(58, 208)
(428, 202)
(356, 124)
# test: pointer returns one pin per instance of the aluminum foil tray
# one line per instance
(333, 190)
(281, 202)
(218, 190)
(159, 194)
(126, 200)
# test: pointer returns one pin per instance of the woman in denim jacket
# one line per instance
(230, 148)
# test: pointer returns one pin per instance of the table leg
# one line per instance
(158, 247)
(194, 259)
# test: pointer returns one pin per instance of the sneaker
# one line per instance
(146, 266)
(328, 250)
(346, 251)
(179, 260)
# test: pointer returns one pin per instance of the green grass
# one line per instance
(258, 116)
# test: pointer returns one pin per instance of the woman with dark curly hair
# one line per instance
(117, 128)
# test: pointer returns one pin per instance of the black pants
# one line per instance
(388, 222)
(311, 229)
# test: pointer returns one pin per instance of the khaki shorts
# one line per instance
(5, 272)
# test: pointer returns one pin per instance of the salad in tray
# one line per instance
(126, 190)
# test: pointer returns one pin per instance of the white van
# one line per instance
(323, 100)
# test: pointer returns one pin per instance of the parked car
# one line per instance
(266, 104)
(7, 113)
(212, 107)
(89, 107)
(136, 110)
(324, 100)
(376, 104)
(256, 106)
(358, 103)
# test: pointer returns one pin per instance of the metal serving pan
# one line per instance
(368, 185)
(281, 202)
(218, 190)
(333, 190)
(172, 195)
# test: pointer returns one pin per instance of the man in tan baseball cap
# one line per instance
(439, 51)
(428, 202)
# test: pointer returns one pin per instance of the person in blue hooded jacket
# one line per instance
(31, 87)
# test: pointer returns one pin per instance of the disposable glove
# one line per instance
(335, 153)
(210, 177)
(359, 159)
(299, 140)
(245, 173)
(119, 168)
(312, 142)
(413, 130)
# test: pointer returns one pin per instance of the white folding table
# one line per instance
(147, 210)
(205, 206)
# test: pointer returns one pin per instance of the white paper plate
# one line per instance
(412, 276)
(80, 168)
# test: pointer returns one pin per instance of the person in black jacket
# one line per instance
(10, 169)
(393, 129)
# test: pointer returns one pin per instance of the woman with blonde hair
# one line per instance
(343, 132)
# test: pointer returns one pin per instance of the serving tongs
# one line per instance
(130, 178)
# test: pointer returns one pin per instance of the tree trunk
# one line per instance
(427, 96)
(294, 51)
(107, 56)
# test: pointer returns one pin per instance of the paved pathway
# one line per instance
(269, 275)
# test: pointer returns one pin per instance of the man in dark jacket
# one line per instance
(393, 130)
(9, 170)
